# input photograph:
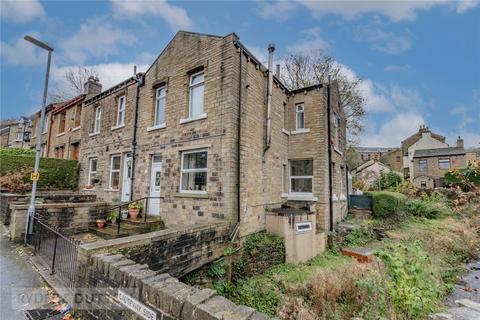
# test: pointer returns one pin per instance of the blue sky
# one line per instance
(419, 60)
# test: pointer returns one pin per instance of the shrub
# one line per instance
(387, 204)
(466, 178)
(17, 152)
(359, 237)
(54, 173)
(387, 181)
(430, 207)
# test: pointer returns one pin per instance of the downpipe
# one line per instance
(271, 50)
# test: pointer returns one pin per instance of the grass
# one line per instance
(417, 265)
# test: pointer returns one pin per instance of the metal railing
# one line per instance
(59, 251)
(143, 212)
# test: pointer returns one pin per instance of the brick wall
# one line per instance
(165, 296)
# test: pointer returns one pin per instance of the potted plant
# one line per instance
(101, 223)
(124, 214)
(134, 209)
(112, 216)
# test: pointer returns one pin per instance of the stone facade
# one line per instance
(46, 134)
(65, 134)
(234, 93)
(429, 171)
(393, 159)
(15, 134)
(371, 153)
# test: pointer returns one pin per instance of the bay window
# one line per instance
(301, 177)
(193, 171)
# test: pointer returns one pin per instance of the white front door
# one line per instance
(155, 180)
(127, 178)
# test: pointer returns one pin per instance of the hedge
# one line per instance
(54, 173)
(386, 203)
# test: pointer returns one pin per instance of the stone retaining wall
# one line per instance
(70, 217)
(163, 294)
(48, 197)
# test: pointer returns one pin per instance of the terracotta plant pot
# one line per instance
(101, 223)
(133, 213)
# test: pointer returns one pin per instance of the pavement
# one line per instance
(21, 287)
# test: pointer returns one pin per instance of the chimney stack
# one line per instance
(92, 87)
(460, 142)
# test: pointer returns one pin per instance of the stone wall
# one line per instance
(164, 296)
(47, 197)
(433, 171)
(70, 217)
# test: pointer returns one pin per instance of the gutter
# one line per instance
(330, 167)
(140, 81)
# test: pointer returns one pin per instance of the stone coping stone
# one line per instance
(191, 303)
(363, 255)
(60, 205)
(214, 308)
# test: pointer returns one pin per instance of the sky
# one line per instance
(419, 61)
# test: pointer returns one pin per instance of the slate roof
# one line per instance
(451, 151)
(373, 149)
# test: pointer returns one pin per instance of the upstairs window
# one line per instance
(161, 95)
(300, 111)
(121, 111)
(97, 119)
(422, 165)
(19, 136)
(301, 177)
(44, 125)
(61, 122)
(444, 163)
(197, 84)
(78, 115)
(114, 181)
(193, 172)
(92, 170)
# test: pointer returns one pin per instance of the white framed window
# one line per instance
(300, 116)
(197, 85)
(301, 177)
(444, 163)
(19, 136)
(121, 111)
(44, 125)
(193, 171)
(92, 170)
(160, 99)
(301, 227)
(114, 180)
(422, 165)
(97, 120)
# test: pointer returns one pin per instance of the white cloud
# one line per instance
(460, 109)
(21, 11)
(394, 9)
(396, 68)
(175, 16)
(393, 131)
(145, 58)
(470, 139)
(383, 41)
(21, 53)
(465, 5)
(97, 39)
(109, 74)
(310, 40)
(406, 98)
(278, 10)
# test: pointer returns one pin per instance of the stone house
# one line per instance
(15, 133)
(64, 130)
(430, 165)
(369, 171)
(473, 155)
(210, 133)
(371, 153)
(393, 159)
(45, 133)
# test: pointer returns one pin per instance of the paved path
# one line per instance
(21, 287)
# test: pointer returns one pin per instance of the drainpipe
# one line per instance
(271, 49)
(330, 167)
(140, 81)
(346, 187)
(239, 132)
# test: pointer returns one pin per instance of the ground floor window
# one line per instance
(193, 171)
(59, 152)
(92, 171)
(114, 181)
(301, 177)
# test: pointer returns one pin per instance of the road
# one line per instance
(21, 286)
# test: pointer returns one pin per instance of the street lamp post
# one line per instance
(31, 208)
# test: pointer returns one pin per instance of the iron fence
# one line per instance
(59, 251)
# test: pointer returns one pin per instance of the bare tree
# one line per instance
(72, 83)
(305, 69)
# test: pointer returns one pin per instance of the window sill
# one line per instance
(111, 190)
(286, 132)
(88, 189)
(76, 128)
(301, 198)
(157, 127)
(94, 134)
(199, 117)
(191, 195)
(299, 131)
(61, 134)
(117, 127)
(284, 195)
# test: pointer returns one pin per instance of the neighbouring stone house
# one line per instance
(15, 133)
(64, 131)
(430, 165)
(473, 155)
(369, 171)
(393, 159)
(371, 153)
(213, 134)
(43, 130)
